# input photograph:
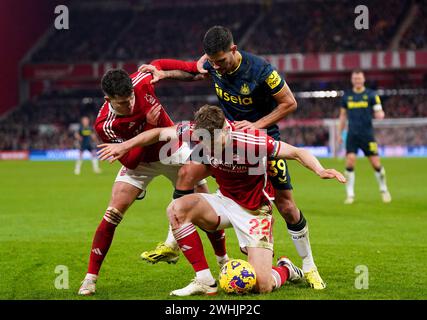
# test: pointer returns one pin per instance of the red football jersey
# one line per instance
(233, 171)
(114, 128)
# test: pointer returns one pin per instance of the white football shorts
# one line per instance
(142, 175)
(253, 228)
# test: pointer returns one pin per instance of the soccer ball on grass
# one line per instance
(237, 276)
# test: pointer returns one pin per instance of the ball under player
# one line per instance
(359, 105)
(85, 138)
(252, 93)
(131, 107)
(243, 201)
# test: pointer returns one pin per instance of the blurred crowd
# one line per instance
(50, 121)
(129, 32)
(264, 27)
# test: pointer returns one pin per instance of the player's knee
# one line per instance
(178, 212)
(264, 284)
(286, 207)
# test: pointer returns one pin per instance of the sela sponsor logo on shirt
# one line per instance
(226, 96)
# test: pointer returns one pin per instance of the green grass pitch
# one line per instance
(48, 217)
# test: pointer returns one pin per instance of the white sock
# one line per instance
(205, 276)
(91, 276)
(381, 179)
(222, 259)
(170, 240)
(349, 186)
(276, 278)
(302, 244)
(78, 166)
(95, 164)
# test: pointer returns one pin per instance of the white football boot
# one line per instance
(196, 288)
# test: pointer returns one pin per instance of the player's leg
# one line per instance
(78, 166)
(371, 151)
(350, 162)
(351, 147)
(95, 162)
(128, 186)
(296, 223)
(268, 277)
(184, 214)
(188, 178)
(123, 195)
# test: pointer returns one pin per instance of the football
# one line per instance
(237, 276)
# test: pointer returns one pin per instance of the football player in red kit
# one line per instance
(242, 202)
(130, 108)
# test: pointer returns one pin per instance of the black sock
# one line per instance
(299, 225)
(180, 193)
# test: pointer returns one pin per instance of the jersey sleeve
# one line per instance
(172, 64)
(129, 160)
(344, 101)
(272, 79)
(273, 147)
(375, 101)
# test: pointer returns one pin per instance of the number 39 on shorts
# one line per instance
(277, 167)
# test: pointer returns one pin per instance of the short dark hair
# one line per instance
(117, 83)
(357, 71)
(217, 39)
(209, 118)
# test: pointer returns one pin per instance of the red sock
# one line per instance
(103, 239)
(217, 240)
(280, 274)
(191, 246)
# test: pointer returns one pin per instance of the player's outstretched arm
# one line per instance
(287, 151)
(172, 69)
(114, 151)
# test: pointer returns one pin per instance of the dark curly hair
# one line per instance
(117, 83)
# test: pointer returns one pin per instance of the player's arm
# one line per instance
(132, 158)
(172, 69)
(342, 120)
(286, 104)
(287, 151)
(378, 108)
(115, 151)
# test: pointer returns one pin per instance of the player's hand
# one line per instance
(200, 64)
(111, 151)
(332, 174)
(245, 125)
(157, 74)
(154, 114)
